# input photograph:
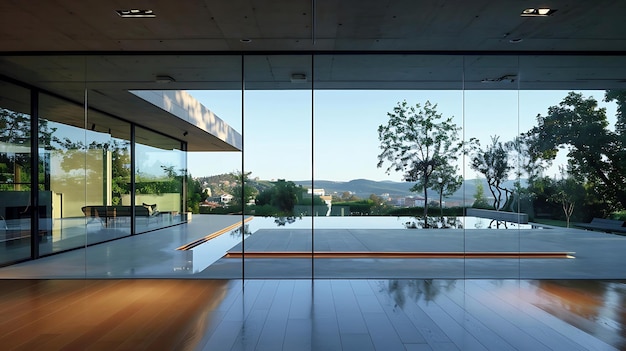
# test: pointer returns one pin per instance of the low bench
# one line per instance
(107, 213)
(604, 225)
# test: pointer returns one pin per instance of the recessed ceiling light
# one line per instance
(516, 40)
(298, 78)
(135, 13)
(245, 40)
(164, 79)
(537, 12)
(505, 78)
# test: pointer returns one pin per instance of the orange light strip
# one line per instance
(213, 235)
(367, 254)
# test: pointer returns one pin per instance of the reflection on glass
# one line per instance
(435, 223)
(108, 178)
(15, 174)
(63, 177)
(159, 177)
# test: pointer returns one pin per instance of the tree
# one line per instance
(568, 193)
(446, 182)
(243, 192)
(283, 196)
(493, 163)
(595, 153)
(480, 201)
(195, 195)
(417, 141)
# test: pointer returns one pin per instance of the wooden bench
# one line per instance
(604, 225)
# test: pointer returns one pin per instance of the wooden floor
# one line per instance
(312, 315)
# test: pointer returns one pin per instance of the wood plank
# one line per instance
(544, 326)
(400, 254)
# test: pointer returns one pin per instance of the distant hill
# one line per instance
(363, 188)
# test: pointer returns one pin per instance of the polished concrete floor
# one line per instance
(105, 297)
(390, 314)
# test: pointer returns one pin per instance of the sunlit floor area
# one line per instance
(413, 314)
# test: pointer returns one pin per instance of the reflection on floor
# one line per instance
(410, 314)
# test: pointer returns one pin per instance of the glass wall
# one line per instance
(278, 155)
(491, 131)
(108, 177)
(378, 185)
(63, 180)
(334, 179)
(15, 173)
(160, 171)
(574, 164)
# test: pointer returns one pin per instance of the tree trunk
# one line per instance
(425, 206)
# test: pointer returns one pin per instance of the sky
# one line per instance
(277, 128)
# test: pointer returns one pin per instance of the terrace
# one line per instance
(375, 241)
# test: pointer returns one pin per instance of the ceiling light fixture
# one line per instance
(298, 78)
(245, 40)
(164, 79)
(135, 13)
(505, 78)
(537, 12)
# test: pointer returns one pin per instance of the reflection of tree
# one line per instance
(434, 223)
(170, 182)
(119, 150)
(245, 229)
(282, 221)
(15, 132)
(403, 290)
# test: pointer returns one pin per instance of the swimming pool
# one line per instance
(206, 254)
(376, 222)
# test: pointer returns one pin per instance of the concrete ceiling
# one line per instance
(219, 25)
(67, 46)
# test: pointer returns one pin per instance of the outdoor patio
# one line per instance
(596, 255)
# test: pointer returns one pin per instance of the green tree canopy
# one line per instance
(595, 152)
(283, 196)
(243, 192)
(417, 141)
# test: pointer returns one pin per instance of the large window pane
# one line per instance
(15, 170)
(277, 153)
(575, 188)
(108, 177)
(491, 129)
(377, 104)
(63, 180)
(160, 172)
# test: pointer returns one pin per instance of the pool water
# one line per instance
(206, 254)
(377, 222)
